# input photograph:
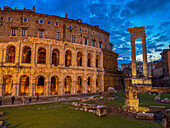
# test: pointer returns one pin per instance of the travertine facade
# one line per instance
(48, 55)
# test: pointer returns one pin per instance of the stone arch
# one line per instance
(68, 58)
(55, 57)
(54, 85)
(97, 61)
(41, 56)
(79, 84)
(89, 84)
(8, 84)
(40, 83)
(67, 85)
(79, 59)
(10, 54)
(26, 57)
(24, 85)
(89, 60)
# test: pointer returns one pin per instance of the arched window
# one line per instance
(26, 55)
(55, 57)
(97, 61)
(68, 58)
(11, 54)
(54, 85)
(8, 80)
(79, 84)
(67, 84)
(24, 85)
(41, 56)
(40, 85)
(89, 83)
(89, 57)
(79, 59)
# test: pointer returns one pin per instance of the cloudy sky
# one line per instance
(114, 16)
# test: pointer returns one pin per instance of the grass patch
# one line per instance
(49, 116)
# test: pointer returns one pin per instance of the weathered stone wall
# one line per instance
(48, 70)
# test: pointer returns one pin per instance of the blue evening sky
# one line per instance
(114, 16)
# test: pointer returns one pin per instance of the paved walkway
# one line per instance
(43, 102)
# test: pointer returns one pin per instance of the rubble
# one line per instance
(166, 100)
(145, 116)
(112, 90)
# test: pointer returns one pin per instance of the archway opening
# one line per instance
(89, 84)
(54, 85)
(79, 84)
(40, 85)
(89, 62)
(68, 58)
(67, 85)
(79, 59)
(11, 54)
(24, 85)
(41, 56)
(55, 57)
(26, 55)
(8, 81)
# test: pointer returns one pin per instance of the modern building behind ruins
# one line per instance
(51, 55)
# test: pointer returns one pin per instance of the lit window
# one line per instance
(93, 42)
(40, 34)
(25, 19)
(85, 30)
(72, 39)
(100, 44)
(58, 36)
(56, 24)
(13, 32)
(93, 33)
(41, 21)
(9, 18)
(49, 22)
(70, 27)
(79, 29)
(23, 33)
(85, 41)
(2, 18)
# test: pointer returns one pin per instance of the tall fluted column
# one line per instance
(145, 64)
(133, 54)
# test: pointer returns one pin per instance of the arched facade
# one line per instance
(24, 85)
(67, 85)
(10, 54)
(8, 84)
(68, 58)
(55, 57)
(26, 58)
(54, 85)
(79, 59)
(40, 82)
(89, 60)
(79, 84)
(41, 56)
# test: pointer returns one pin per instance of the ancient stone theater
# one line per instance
(51, 55)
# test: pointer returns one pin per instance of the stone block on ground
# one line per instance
(91, 98)
(92, 111)
(101, 110)
(76, 108)
(75, 104)
(85, 109)
(145, 116)
(157, 98)
(81, 109)
(166, 100)
(112, 90)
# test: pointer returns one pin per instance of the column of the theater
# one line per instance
(74, 59)
(74, 84)
(84, 84)
(61, 84)
(1, 84)
(18, 53)
(47, 85)
(1, 55)
(33, 55)
(94, 60)
(145, 65)
(94, 77)
(48, 58)
(133, 54)
(85, 59)
(15, 89)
